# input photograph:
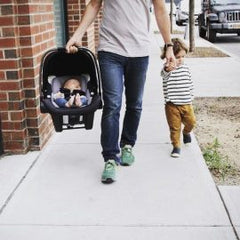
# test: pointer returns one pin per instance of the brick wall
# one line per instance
(26, 32)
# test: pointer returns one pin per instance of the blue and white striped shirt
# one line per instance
(178, 85)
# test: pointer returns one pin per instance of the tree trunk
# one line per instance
(191, 26)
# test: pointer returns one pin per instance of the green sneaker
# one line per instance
(109, 172)
(127, 158)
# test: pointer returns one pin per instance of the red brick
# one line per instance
(15, 106)
(2, 76)
(28, 73)
(27, 52)
(8, 32)
(3, 106)
(7, 10)
(6, 1)
(31, 103)
(31, 113)
(25, 31)
(3, 96)
(7, 42)
(24, 20)
(23, 9)
(17, 116)
(27, 63)
(4, 115)
(6, 21)
(19, 135)
(19, 125)
(15, 96)
(15, 146)
(11, 85)
(29, 83)
(8, 64)
(7, 125)
(7, 136)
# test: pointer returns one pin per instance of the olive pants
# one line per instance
(176, 115)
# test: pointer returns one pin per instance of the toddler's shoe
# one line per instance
(127, 157)
(187, 138)
(175, 152)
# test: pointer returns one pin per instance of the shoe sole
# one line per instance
(125, 164)
(108, 180)
(174, 155)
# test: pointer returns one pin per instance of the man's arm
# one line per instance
(88, 17)
(163, 23)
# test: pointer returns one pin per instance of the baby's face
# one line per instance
(72, 84)
(180, 57)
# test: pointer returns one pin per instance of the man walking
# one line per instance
(123, 59)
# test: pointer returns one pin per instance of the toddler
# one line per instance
(178, 95)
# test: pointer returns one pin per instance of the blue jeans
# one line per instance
(118, 72)
(61, 102)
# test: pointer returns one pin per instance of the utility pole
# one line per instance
(171, 16)
(191, 25)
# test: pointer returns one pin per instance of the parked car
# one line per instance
(181, 17)
(219, 16)
(182, 13)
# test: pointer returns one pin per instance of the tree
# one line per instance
(191, 22)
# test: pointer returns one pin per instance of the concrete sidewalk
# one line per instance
(57, 193)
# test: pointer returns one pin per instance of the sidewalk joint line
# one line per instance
(119, 226)
(228, 214)
(18, 185)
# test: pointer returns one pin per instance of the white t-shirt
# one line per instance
(125, 27)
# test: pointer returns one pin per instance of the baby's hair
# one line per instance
(73, 79)
(178, 45)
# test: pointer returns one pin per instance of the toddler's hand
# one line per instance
(169, 67)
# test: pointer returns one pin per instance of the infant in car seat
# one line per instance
(70, 94)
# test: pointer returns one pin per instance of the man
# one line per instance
(123, 59)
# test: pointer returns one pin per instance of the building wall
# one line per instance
(26, 32)
(75, 11)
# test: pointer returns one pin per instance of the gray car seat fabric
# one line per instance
(57, 83)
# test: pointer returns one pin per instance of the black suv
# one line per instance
(219, 16)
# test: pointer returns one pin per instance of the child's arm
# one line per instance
(58, 95)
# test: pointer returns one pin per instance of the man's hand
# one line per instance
(73, 44)
(170, 59)
(169, 67)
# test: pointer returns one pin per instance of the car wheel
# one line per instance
(179, 23)
(211, 35)
(202, 32)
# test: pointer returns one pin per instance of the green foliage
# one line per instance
(217, 164)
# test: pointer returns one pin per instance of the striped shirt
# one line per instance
(178, 85)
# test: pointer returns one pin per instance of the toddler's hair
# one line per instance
(178, 45)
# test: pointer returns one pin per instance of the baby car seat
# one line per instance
(57, 66)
